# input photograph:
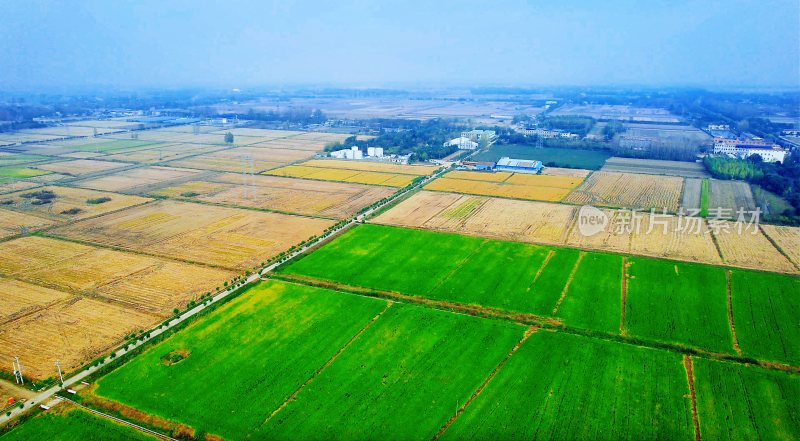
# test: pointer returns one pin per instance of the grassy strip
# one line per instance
(704, 199)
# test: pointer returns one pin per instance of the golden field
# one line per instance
(162, 153)
(750, 250)
(344, 175)
(81, 167)
(137, 179)
(67, 199)
(787, 238)
(13, 223)
(383, 167)
(225, 237)
(629, 190)
(507, 185)
(20, 298)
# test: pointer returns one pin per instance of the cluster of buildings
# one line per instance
(507, 164)
(472, 139)
(744, 148)
(374, 153)
(547, 134)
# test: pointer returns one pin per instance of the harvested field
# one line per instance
(574, 172)
(491, 217)
(729, 196)
(163, 153)
(629, 190)
(692, 243)
(20, 298)
(17, 185)
(226, 237)
(239, 159)
(300, 196)
(13, 222)
(73, 332)
(383, 167)
(750, 250)
(264, 134)
(787, 238)
(81, 167)
(344, 175)
(479, 176)
(618, 112)
(508, 185)
(692, 191)
(67, 203)
(138, 179)
(656, 167)
(33, 252)
(10, 159)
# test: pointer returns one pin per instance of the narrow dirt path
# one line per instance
(327, 363)
(687, 364)
(546, 260)
(569, 282)
(624, 294)
(528, 333)
(730, 313)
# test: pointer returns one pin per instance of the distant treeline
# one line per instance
(424, 139)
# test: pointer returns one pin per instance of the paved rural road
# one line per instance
(254, 278)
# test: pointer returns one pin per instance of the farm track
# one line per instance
(569, 281)
(443, 429)
(327, 363)
(624, 293)
(730, 313)
(687, 364)
(779, 248)
(546, 260)
(460, 264)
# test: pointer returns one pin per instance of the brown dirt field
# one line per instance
(307, 197)
(73, 331)
(8, 390)
(574, 172)
(68, 198)
(81, 167)
(10, 187)
(751, 250)
(226, 237)
(629, 190)
(788, 238)
(18, 298)
(729, 195)
(12, 222)
(489, 217)
(130, 180)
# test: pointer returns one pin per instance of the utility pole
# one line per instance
(18, 371)
(60, 375)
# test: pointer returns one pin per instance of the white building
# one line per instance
(400, 159)
(739, 148)
(375, 152)
(462, 143)
(351, 153)
(549, 134)
(480, 135)
(720, 127)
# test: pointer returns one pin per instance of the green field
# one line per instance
(71, 425)
(115, 146)
(244, 360)
(8, 174)
(680, 303)
(736, 402)
(453, 267)
(402, 379)
(550, 156)
(766, 314)
(9, 159)
(704, 198)
(595, 305)
(562, 386)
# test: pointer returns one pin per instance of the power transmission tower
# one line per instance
(18, 371)
(60, 375)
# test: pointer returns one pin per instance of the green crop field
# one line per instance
(766, 310)
(681, 303)
(8, 174)
(8, 159)
(456, 268)
(244, 360)
(736, 402)
(74, 424)
(595, 304)
(552, 156)
(403, 378)
(562, 386)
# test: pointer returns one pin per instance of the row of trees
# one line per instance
(425, 139)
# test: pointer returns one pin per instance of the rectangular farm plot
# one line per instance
(247, 159)
(429, 369)
(226, 237)
(14, 173)
(307, 197)
(344, 175)
(737, 401)
(592, 299)
(67, 203)
(786, 238)
(730, 196)
(629, 190)
(294, 329)
(74, 332)
(514, 186)
(13, 223)
(522, 221)
(563, 386)
(138, 179)
(71, 424)
(746, 246)
(81, 167)
(18, 298)
(382, 167)
(766, 308)
(678, 303)
(14, 159)
(163, 153)
(656, 167)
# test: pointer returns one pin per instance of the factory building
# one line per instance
(518, 165)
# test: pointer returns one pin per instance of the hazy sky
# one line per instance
(63, 43)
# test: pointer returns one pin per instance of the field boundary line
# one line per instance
(327, 363)
(715, 241)
(730, 312)
(528, 332)
(687, 365)
(539, 272)
(118, 420)
(624, 294)
(460, 264)
(573, 221)
(569, 282)
(778, 247)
